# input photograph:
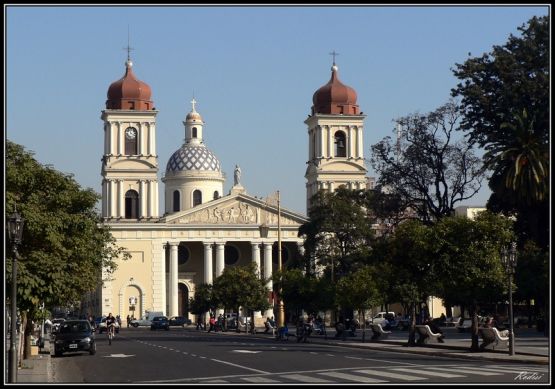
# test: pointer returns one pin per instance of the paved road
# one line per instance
(187, 356)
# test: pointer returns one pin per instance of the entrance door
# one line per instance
(183, 301)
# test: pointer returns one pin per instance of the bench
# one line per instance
(492, 339)
(452, 321)
(465, 326)
(378, 332)
(425, 334)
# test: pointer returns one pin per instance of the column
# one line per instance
(156, 202)
(321, 141)
(121, 203)
(112, 195)
(104, 198)
(152, 138)
(256, 259)
(173, 280)
(207, 263)
(142, 198)
(150, 200)
(268, 272)
(349, 153)
(120, 139)
(330, 186)
(219, 258)
(359, 142)
(330, 143)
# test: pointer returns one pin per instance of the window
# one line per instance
(131, 141)
(216, 195)
(340, 149)
(197, 198)
(194, 132)
(131, 205)
(176, 201)
(182, 254)
(231, 255)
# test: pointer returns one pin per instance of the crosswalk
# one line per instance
(412, 373)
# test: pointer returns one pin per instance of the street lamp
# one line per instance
(15, 233)
(508, 259)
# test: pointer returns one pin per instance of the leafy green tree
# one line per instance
(412, 270)
(505, 98)
(427, 168)
(203, 300)
(239, 286)
(359, 291)
(65, 246)
(467, 261)
(338, 234)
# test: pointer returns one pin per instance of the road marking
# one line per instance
(304, 378)
(432, 373)
(354, 358)
(245, 351)
(258, 379)
(118, 356)
(391, 375)
(350, 377)
(464, 369)
(242, 367)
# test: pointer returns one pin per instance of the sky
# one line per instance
(252, 69)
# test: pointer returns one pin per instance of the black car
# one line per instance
(179, 321)
(160, 322)
(74, 335)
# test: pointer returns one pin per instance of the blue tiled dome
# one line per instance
(193, 157)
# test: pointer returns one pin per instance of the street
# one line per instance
(139, 355)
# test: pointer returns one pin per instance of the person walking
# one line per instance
(128, 320)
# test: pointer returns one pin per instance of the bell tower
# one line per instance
(129, 164)
(335, 147)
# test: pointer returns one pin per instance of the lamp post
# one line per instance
(508, 258)
(15, 233)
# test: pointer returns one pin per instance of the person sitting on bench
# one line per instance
(435, 329)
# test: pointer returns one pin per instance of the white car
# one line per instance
(102, 326)
(379, 318)
(146, 321)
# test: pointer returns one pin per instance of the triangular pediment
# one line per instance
(237, 209)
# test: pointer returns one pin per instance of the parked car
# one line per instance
(179, 321)
(380, 317)
(74, 336)
(102, 326)
(159, 323)
(146, 320)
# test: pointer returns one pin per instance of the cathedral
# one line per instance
(203, 228)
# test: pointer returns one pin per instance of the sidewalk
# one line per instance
(530, 346)
(37, 368)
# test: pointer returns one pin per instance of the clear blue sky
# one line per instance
(253, 71)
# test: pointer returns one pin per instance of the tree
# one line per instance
(239, 286)
(426, 167)
(65, 245)
(203, 300)
(505, 99)
(338, 234)
(412, 276)
(359, 290)
(467, 261)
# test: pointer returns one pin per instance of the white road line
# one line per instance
(215, 382)
(464, 369)
(258, 379)
(516, 370)
(435, 374)
(351, 377)
(304, 378)
(391, 375)
(242, 367)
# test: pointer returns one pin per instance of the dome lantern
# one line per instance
(335, 97)
(129, 93)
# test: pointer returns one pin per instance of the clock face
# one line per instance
(131, 133)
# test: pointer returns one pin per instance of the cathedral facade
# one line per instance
(203, 229)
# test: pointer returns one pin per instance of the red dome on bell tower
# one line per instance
(129, 93)
(335, 97)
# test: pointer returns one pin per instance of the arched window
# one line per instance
(176, 201)
(131, 141)
(340, 148)
(197, 198)
(131, 204)
(194, 132)
(231, 255)
(216, 195)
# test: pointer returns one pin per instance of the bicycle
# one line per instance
(110, 332)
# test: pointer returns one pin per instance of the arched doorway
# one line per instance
(183, 301)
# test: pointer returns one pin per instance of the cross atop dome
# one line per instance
(193, 102)
(334, 54)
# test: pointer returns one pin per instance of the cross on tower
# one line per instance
(128, 48)
(193, 102)
(334, 54)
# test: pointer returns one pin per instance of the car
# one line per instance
(160, 322)
(179, 321)
(380, 317)
(146, 320)
(74, 336)
(102, 326)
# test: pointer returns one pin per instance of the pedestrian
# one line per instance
(128, 320)
(435, 329)
(212, 323)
